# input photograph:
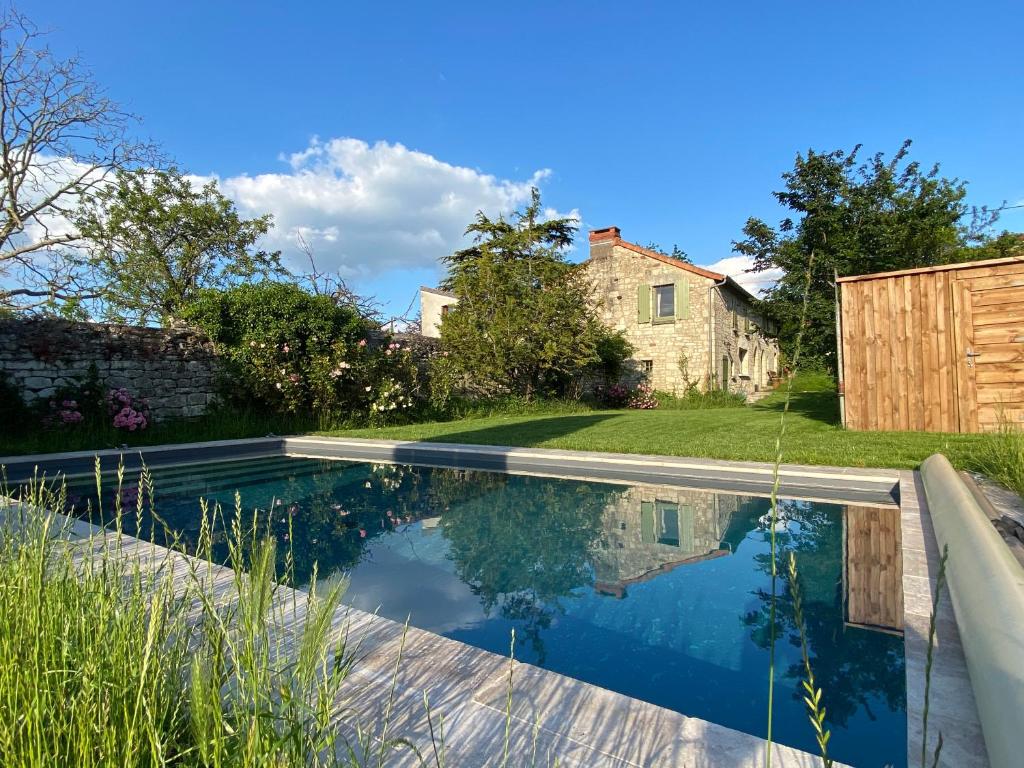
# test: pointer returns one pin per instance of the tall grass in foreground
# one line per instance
(1001, 456)
(111, 658)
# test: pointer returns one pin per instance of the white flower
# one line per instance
(278, 385)
(369, 388)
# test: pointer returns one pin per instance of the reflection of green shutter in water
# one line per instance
(643, 304)
(682, 293)
(647, 534)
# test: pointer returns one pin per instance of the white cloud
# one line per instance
(367, 209)
(736, 267)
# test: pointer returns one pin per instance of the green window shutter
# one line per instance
(643, 304)
(647, 531)
(686, 526)
(682, 293)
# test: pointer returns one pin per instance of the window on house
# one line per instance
(725, 372)
(647, 366)
(744, 363)
(667, 513)
(664, 302)
(735, 320)
(444, 310)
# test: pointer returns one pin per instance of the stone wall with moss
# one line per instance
(176, 370)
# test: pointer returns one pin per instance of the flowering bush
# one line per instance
(295, 352)
(390, 403)
(76, 403)
(643, 397)
(129, 413)
(64, 412)
(616, 396)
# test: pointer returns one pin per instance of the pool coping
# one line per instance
(812, 483)
(953, 711)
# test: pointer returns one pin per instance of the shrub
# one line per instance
(643, 397)
(298, 353)
(14, 413)
(127, 412)
(80, 403)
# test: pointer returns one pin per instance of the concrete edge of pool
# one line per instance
(813, 483)
(588, 716)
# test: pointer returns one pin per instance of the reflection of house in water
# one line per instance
(650, 530)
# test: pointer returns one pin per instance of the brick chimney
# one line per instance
(602, 241)
(601, 235)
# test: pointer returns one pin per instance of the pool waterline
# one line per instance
(670, 580)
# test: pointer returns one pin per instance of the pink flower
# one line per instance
(362, 342)
(362, 533)
(285, 349)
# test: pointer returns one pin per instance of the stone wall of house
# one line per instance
(175, 370)
(616, 274)
(753, 357)
(682, 526)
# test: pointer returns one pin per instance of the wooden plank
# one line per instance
(1007, 260)
(1005, 295)
(945, 370)
(999, 281)
(997, 373)
(916, 361)
(929, 337)
(899, 332)
(1005, 392)
(992, 416)
(1002, 353)
(883, 314)
(1009, 333)
(997, 314)
(853, 348)
(870, 420)
(964, 340)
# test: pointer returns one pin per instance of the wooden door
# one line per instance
(988, 320)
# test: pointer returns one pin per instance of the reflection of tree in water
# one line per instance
(521, 543)
(318, 512)
(851, 664)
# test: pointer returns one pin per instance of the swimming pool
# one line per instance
(660, 593)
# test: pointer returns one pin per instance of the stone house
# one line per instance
(688, 325)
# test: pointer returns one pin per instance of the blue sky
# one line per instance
(670, 120)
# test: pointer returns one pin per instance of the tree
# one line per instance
(524, 322)
(856, 217)
(677, 253)
(156, 240)
(60, 138)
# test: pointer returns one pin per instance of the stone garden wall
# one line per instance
(174, 369)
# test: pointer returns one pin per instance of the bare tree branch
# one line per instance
(60, 137)
(334, 286)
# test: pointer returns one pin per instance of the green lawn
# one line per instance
(742, 433)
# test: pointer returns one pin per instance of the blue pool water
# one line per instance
(655, 592)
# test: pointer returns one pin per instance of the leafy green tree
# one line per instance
(524, 322)
(156, 240)
(856, 217)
